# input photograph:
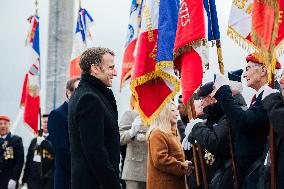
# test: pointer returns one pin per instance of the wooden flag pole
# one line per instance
(272, 144)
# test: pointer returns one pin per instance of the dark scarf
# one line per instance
(99, 86)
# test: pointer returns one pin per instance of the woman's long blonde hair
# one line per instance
(163, 121)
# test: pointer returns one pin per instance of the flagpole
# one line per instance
(220, 56)
(272, 143)
(39, 78)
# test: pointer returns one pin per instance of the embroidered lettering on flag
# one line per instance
(191, 48)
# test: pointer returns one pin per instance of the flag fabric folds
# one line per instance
(153, 81)
(30, 99)
(82, 34)
(241, 24)
(212, 20)
(132, 34)
(191, 48)
(266, 31)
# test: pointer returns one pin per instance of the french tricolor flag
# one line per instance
(80, 40)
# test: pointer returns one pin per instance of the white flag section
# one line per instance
(239, 26)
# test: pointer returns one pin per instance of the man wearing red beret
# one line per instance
(250, 127)
(11, 155)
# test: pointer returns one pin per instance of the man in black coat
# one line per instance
(93, 126)
(274, 105)
(250, 127)
(39, 166)
(11, 156)
(59, 137)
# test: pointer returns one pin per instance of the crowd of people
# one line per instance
(225, 145)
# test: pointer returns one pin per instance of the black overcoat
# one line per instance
(39, 175)
(59, 137)
(250, 128)
(274, 104)
(11, 168)
(94, 136)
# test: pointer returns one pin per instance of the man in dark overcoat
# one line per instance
(93, 126)
(273, 103)
(11, 156)
(250, 127)
(39, 166)
(59, 137)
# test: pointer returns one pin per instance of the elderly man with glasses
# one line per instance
(250, 127)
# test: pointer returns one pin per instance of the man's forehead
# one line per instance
(250, 63)
(4, 121)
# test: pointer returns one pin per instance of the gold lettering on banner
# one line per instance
(184, 13)
(249, 9)
(280, 17)
(149, 24)
(153, 54)
(240, 3)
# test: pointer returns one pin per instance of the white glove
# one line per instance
(24, 186)
(12, 184)
(190, 125)
(135, 126)
(267, 91)
(185, 144)
(39, 140)
(220, 81)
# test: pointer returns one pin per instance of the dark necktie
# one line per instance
(1, 140)
(252, 100)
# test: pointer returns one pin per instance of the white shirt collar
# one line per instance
(4, 137)
(260, 90)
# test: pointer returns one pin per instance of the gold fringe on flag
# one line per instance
(241, 41)
(157, 74)
(189, 46)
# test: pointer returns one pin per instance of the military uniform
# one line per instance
(38, 172)
(11, 159)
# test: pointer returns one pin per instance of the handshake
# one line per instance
(187, 167)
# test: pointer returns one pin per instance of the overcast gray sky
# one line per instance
(111, 19)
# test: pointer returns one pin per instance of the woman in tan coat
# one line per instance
(166, 165)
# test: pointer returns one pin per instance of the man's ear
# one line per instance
(264, 71)
(68, 93)
(94, 69)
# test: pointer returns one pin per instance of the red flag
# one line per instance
(190, 46)
(30, 99)
(267, 30)
(24, 91)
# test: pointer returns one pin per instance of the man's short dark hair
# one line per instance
(91, 56)
(70, 84)
(45, 115)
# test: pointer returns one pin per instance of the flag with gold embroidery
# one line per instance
(241, 23)
(153, 81)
